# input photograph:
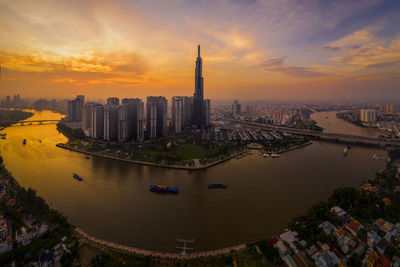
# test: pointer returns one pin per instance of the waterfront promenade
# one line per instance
(165, 255)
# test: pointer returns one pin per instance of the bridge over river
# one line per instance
(337, 137)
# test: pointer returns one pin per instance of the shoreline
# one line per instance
(188, 168)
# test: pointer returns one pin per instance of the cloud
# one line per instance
(355, 39)
(123, 61)
(372, 55)
(278, 65)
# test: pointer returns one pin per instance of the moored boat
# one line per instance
(275, 155)
(163, 188)
(217, 185)
(77, 177)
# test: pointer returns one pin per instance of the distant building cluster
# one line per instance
(368, 115)
(131, 121)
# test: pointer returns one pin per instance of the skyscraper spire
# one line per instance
(198, 96)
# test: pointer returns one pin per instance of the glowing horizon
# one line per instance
(251, 49)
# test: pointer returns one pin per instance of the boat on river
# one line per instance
(275, 155)
(217, 185)
(24, 142)
(77, 177)
(163, 188)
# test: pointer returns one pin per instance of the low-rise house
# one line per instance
(353, 227)
(327, 227)
(22, 236)
(386, 226)
(339, 213)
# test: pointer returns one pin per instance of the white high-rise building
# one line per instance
(368, 115)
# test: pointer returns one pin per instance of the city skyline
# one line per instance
(320, 50)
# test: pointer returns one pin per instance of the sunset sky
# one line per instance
(251, 49)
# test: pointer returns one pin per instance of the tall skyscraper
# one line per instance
(198, 96)
(97, 122)
(111, 122)
(177, 114)
(156, 109)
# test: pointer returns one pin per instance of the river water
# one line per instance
(113, 201)
(331, 124)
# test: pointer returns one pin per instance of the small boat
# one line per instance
(259, 153)
(375, 157)
(24, 142)
(275, 155)
(77, 177)
(163, 188)
(217, 185)
(345, 151)
(265, 155)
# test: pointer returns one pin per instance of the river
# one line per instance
(113, 201)
(331, 124)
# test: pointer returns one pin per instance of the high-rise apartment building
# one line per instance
(207, 112)
(130, 120)
(87, 118)
(156, 109)
(236, 108)
(72, 110)
(113, 101)
(111, 122)
(97, 128)
(177, 111)
(75, 108)
(368, 115)
(187, 118)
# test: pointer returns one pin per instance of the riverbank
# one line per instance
(189, 168)
(9, 117)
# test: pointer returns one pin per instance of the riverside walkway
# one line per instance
(164, 255)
